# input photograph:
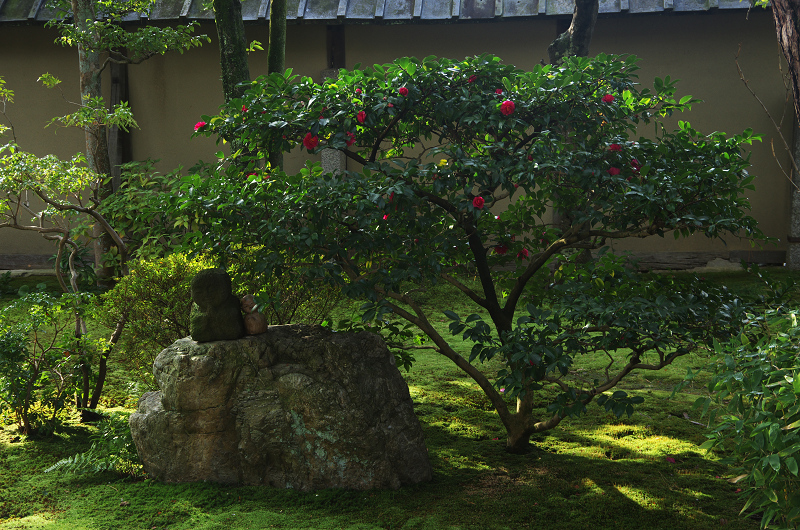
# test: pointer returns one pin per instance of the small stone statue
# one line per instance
(254, 322)
(216, 314)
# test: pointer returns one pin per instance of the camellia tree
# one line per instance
(455, 167)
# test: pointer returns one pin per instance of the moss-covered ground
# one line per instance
(595, 471)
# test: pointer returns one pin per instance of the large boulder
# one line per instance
(295, 407)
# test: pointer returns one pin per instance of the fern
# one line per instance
(112, 450)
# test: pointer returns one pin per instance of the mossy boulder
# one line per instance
(296, 407)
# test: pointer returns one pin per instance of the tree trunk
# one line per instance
(576, 39)
(787, 25)
(574, 42)
(96, 134)
(276, 60)
(232, 47)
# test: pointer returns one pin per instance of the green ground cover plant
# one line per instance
(645, 471)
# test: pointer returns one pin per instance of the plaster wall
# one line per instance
(169, 94)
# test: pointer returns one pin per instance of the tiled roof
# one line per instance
(364, 11)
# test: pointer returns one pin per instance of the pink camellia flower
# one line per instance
(310, 141)
(361, 116)
(523, 254)
(358, 91)
(403, 91)
(244, 108)
(351, 138)
(390, 105)
(615, 147)
(507, 107)
(472, 78)
(478, 202)
(500, 249)
(385, 217)
(614, 171)
(608, 98)
(199, 125)
(498, 91)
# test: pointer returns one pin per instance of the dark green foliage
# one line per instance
(755, 409)
(456, 166)
(41, 362)
(142, 212)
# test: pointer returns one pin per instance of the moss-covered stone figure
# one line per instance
(216, 313)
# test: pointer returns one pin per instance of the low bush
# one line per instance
(755, 410)
(155, 299)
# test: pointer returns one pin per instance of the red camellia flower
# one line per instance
(472, 79)
(310, 141)
(385, 217)
(390, 105)
(500, 249)
(199, 125)
(615, 147)
(403, 91)
(523, 254)
(507, 107)
(636, 165)
(351, 138)
(244, 109)
(358, 91)
(361, 116)
(498, 91)
(608, 98)
(478, 202)
(614, 171)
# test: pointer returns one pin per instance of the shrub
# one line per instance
(40, 359)
(155, 300)
(755, 410)
(458, 165)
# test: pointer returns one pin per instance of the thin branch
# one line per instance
(777, 128)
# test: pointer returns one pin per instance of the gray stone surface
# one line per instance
(295, 407)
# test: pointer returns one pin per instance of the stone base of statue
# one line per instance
(296, 407)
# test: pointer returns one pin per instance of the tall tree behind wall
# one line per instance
(787, 25)
(574, 41)
(96, 133)
(233, 49)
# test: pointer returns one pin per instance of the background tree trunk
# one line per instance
(787, 25)
(576, 39)
(96, 134)
(232, 47)
(276, 61)
(574, 42)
